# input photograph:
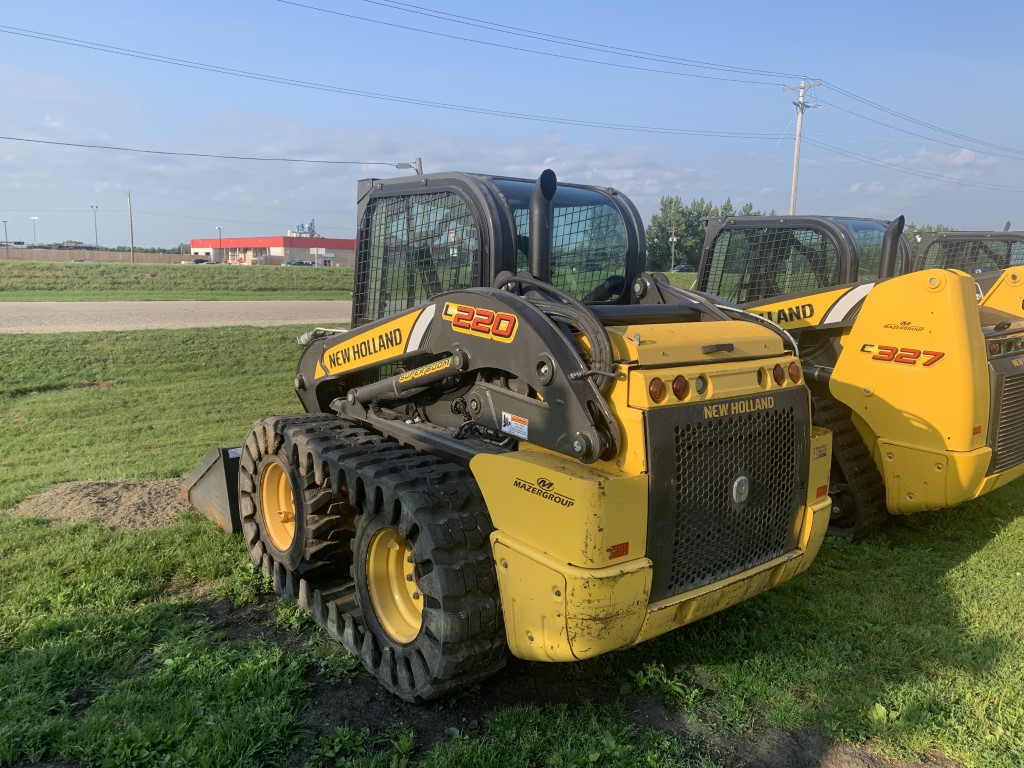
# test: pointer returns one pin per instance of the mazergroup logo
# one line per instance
(545, 489)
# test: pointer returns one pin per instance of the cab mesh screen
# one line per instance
(973, 255)
(757, 263)
(588, 247)
(418, 246)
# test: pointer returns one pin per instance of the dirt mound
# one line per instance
(118, 506)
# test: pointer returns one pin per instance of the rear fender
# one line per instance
(914, 366)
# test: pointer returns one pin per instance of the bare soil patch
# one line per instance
(118, 506)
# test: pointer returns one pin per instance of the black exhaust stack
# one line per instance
(891, 247)
(541, 225)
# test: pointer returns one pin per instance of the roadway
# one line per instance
(73, 316)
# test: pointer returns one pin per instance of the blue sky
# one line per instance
(954, 69)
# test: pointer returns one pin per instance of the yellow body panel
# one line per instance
(664, 344)
(937, 405)
(1007, 293)
(574, 578)
(914, 371)
(801, 312)
(917, 481)
(376, 345)
(558, 612)
(569, 511)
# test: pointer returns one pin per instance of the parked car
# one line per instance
(196, 261)
(683, 268)
(298, 263)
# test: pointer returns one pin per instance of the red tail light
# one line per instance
(657, 390)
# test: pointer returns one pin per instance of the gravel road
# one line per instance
(70, 316)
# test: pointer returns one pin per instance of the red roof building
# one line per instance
(323, 251)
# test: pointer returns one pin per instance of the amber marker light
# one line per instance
(794, 372)
(993, 348)
(657, 390)
(778, 374)
(680, 387)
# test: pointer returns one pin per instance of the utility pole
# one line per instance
(95, 228)
(131, 225)
(7, 243)
(800, 105)
(418, 165)
(672, 247)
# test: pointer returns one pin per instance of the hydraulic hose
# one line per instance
(570, 311)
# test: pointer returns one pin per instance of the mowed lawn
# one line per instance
(44, 281)
(909, 643)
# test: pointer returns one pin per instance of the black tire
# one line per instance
(856, 486)
(273, 470)
(436, 511)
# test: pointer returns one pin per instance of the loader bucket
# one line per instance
(212, 487)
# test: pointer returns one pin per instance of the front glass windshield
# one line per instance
(588, 249)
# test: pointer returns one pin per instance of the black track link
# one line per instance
(353, 470)
(856, 484)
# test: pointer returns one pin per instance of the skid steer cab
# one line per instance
(525, 443)
(880, 344)
(995, 260)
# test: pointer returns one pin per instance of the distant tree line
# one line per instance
(77, 245)
(911, 231)
(179, 248)
(683, 223)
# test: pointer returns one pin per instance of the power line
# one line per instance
(195, 154)
(911, 171)
(915, 121)
(564, 57)
(918, 135)
(455, 107)
(495, 27)
(379, 96)
(573, 42)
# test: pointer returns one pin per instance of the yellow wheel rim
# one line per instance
(391, 581)
(278, 505)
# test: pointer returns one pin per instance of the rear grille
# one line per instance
(1008, 443)
(701, 528)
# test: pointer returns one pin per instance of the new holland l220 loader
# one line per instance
(525, 443)
(921, 385)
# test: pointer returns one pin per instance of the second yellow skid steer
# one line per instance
(922, 386)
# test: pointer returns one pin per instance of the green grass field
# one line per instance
(910, 642)
(40, 281)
